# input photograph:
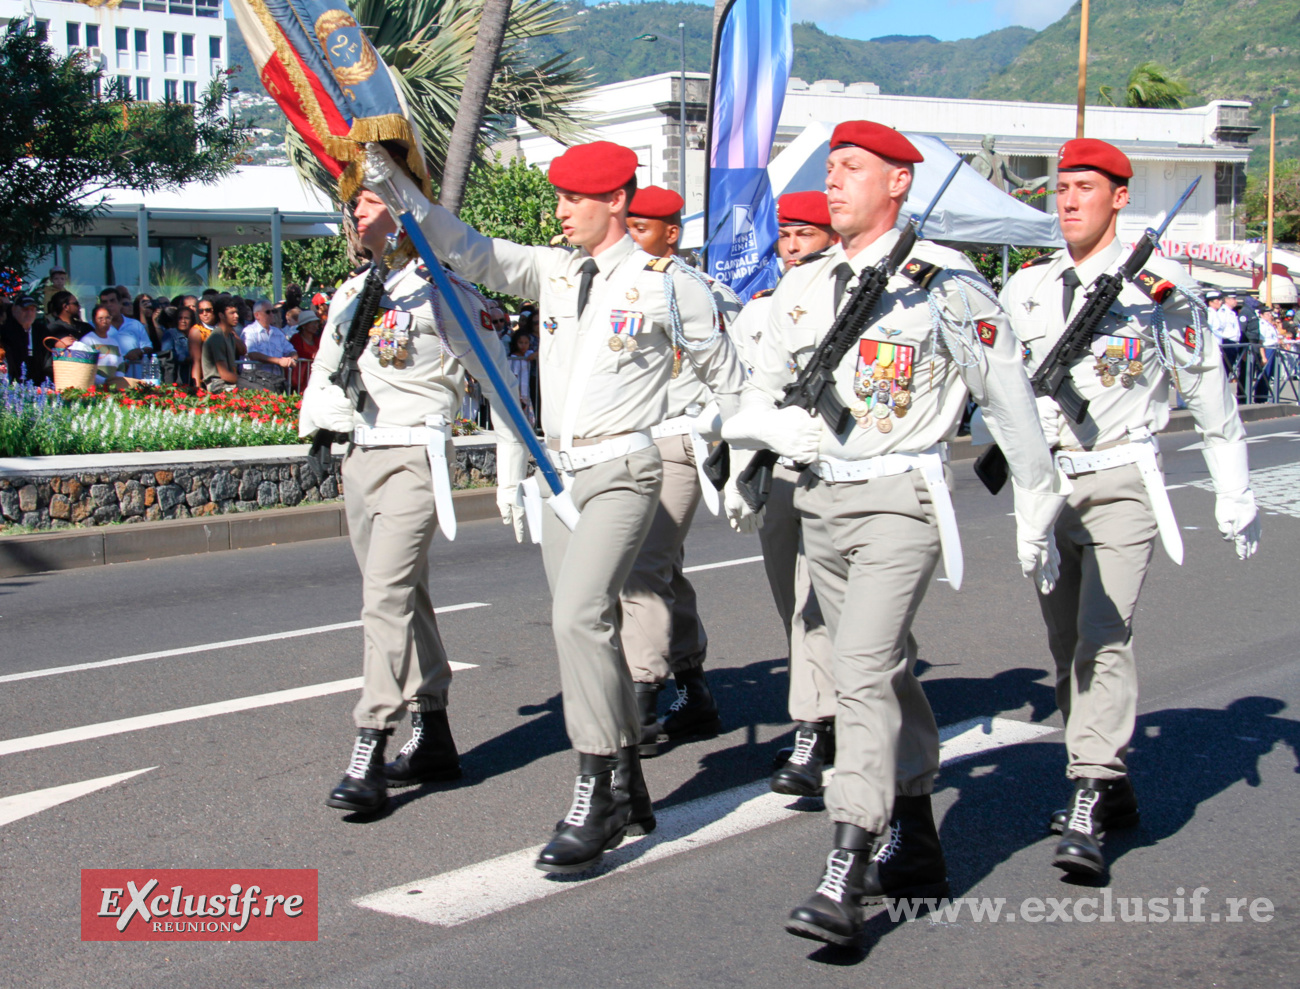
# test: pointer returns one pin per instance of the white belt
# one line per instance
(434, 436)
(930, 464)
(685, 425)
(581, 457)
(1141, 449)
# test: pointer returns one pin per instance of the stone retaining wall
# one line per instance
(63, 499)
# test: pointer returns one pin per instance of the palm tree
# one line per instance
(469, 117)
(429, 44)
(1153, 86)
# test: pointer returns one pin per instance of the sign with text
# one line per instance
(198, 904)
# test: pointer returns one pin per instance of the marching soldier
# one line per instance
(396, 488)
(615, 324)
(876, 509)
(662, 631)
(804, 232)
(1118, 506)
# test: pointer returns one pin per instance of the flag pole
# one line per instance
(1083, 70)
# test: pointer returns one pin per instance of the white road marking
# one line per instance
(211, 646)
(26, 804)
(725, 563)
(1275, 488)
(489, 887)
(67, 736)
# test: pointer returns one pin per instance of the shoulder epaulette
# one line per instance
(660, 264)
(814, 256)
(1041, 259)
(921, 272)
(762, 294)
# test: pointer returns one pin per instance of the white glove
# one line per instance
(1036, 513)
(742, 518)
(790, 432)
(325, 408)
(512, 464)
(709, 423)
(1234, 502)
(390, 182)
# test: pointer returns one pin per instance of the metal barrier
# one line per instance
(1263, 374)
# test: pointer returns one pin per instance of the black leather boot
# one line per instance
(430, 756)
(694, 712)
(910, 865)
(834, 912)
(1079, 850)
(1118, 808)
(814, 749)
(628, 780)
(596, 821)
(647, 702)
(364, 788)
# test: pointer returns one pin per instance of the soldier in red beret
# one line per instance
(1118, 505)
(616, 326)
(662, 631)
(876, 509)
(803, 223)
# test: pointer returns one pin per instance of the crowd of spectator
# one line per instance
(1252, 335)
(214, 341)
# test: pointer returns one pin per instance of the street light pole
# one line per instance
(1268, 237)
(681, 151)
(1083, 70)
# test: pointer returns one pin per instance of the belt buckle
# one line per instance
(1065, 463)
(566, 462)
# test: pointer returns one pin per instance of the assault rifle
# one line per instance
(348, 375)
(1052, 379)
(814, 389)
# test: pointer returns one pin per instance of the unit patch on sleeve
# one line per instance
(1154, 287)
(988, 332)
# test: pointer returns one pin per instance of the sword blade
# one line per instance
(1159, 232)
(920, 220)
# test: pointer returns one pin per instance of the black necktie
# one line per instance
(588, 269)
(843, 275)
(1070, 279)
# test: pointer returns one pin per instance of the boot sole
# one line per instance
(1077, 866)
(929, 891)
(1127, 821)
(801, 928)
(707, 729)
(647, 750)
(442, 777)
(564, 870)
(354, 807)
(643, 826)
(790, 789)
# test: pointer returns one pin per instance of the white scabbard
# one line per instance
(439, 436)
(708, 492)
(529, 495)
(1154, 481)
(941, 498)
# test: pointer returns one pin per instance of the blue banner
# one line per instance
(750, 69)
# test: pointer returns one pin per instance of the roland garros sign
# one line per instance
(198, 904)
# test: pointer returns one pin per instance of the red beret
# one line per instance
(1087, 154)
(803, 207)
(654, 202)
(876, 138)
(593, 169)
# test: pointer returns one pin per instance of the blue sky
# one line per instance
(946, 20)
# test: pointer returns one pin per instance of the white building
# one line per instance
(1168, 147)
(155, 49)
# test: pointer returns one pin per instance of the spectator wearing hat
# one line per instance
(1106, 534)
(267, 344)
(320, 304)
(21, 337)
(610, 342)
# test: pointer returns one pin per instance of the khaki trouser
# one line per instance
(1105, 534)
(586, 570)
(662, 632)
(388, 498)
(812, 678)
(872, 548)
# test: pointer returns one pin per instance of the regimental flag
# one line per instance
(751, 66)
(318, 65)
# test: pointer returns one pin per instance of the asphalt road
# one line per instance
(1214, 763)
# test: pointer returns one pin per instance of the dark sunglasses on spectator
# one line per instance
(205, 309)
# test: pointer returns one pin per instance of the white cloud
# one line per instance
(1036, 14)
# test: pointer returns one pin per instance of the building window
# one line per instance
(123, 39)
(171, 90)
(187, 45)
(142, 88)
(214, 48)
(169, 42)
(42, 30)
(74, 34)
(191, 92)
(121, 88)
(141, 41)
(92, 35)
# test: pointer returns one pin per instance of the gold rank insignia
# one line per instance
(561, 283)
(633, 295)
(797, 313)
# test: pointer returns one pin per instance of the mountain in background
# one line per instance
(912, 65)
(1240, 50)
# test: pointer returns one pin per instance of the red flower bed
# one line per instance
(259, 406)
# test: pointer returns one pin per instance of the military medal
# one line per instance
(859, 410)
(630, 344)
(884, 425)
(633, 295)
(391, 332)
(902, 399)
(550, 325)
(882, 380)
(625, 325)
(616, 343)
(1135, 368)
(1120, 360)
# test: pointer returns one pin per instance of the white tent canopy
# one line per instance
(971, 211)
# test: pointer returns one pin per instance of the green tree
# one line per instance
(988, 260)
(65, 144)
(320, 260)
(1286, 202)
(1154, 87)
